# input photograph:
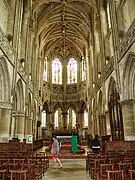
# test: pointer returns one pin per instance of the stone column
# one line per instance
(102, 124)
(20, 120)
(80, 119)
(64, 117)
(108, 127)
(128, 119)
(5, 117)
(29, 125)
(49, 123)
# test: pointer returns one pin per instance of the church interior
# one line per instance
(67, 69)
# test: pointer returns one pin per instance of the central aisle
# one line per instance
(72, 169)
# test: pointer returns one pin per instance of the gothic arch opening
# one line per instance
(115, 112)
(20, 96)
(112, 86)
(4, 81)
(129, 78)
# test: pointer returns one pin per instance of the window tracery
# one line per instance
(45, 72)
(56, 71)
(72, 71)
(83, 69)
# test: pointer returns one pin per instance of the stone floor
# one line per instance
(73, 169)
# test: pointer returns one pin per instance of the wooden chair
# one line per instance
(3, 174)
(103, 170)
(18, 175)
(132, 174)
(125, 167)
(115, 175)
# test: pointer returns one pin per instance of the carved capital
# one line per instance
(5, 105)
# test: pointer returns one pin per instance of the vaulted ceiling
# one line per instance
(63, 26)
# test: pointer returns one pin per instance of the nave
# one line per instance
(72, 169)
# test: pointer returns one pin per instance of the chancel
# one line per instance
(67, 69)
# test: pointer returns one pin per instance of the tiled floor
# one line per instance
(73, 169)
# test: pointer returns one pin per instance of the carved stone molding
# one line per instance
(128, 40)
(71, 89)
(73, 97)
(57, 97)
(108, 69)
(6, 48)
(5, 105)
(6, 4)
(82, 85)
(129, 102)
(22, 72)
(30, 85)
(18, 113)
(58, 88)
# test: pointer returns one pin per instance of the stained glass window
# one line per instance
(43, 124)
(83, 70)
(45, 70)
(72, 71)
(85, 119)
(56, 71)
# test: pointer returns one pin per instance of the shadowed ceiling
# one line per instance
(64, 26)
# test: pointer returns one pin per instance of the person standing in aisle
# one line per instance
(55, 151)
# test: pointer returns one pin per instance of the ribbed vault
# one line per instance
(64, 26)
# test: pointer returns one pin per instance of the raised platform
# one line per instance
(65, 153)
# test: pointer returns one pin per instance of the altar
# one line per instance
(64, 139)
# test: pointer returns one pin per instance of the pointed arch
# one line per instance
(72, 106)
(46, 107)
(5, 86)
(57, 106)
(112, 86)
(129, 77)
(20, 95)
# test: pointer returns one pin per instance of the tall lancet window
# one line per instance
(85, 119)
(72, 71)
(45, 70)
(108, 16)
(56, 71)
(83, 69)
(56, 119)
(58, 123)
(43, 121)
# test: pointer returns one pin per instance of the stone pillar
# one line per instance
(5, 117)
(128, 119)
(64, 117)
(49, 123)
(29, 125)
(102, 124)
(20, 120)
(108, 128)
(80, 119)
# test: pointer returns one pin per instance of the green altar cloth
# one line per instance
(74, 143)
